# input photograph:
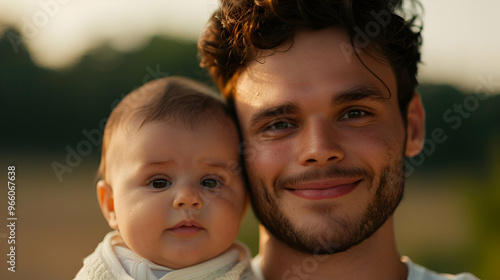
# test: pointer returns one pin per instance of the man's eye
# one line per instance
(352, 114)
(210, 183)
(279, 125)
(160, 183)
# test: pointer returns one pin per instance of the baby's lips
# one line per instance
(187, 223)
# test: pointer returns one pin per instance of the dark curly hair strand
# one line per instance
(240, 28)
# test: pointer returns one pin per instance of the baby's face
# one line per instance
(178, 193)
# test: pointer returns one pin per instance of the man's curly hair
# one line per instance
(240, 28)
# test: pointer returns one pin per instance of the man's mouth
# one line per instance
(327, 189)
(186, 228)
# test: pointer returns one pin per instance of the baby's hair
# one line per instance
(172, 99)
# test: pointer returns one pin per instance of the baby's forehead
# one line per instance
(128, 134)
(212, 141)
(172, 122)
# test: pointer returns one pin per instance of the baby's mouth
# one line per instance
(186, 228)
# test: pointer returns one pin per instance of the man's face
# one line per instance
(324, 142)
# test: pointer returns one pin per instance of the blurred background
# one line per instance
(64, 64)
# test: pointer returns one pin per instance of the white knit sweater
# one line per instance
(104, 264)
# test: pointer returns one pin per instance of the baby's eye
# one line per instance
(210, 183)
(160, 183)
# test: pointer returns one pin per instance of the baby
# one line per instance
(171, 188)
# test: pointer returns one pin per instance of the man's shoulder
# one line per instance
(257, 271)
(417, 272)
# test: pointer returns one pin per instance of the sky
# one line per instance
(461, 42)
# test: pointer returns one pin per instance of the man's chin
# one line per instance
(324, 232)
(316, 238)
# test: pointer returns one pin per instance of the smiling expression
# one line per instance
(324, 140)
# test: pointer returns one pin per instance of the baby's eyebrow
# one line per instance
(217, 163)
(157, 162)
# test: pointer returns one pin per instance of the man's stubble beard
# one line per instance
(337, 234)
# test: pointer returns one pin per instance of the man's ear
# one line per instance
(415, 128)
(105, 198)
(247, 205)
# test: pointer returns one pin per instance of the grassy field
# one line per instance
(59, 223)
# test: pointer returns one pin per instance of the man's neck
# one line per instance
(374, 258)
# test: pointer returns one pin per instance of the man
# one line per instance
(325, 96)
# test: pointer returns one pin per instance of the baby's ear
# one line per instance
(105, 198)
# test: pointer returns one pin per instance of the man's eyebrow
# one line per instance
(349, 95)
(273, 112)
(359, 93)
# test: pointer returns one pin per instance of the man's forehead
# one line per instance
(308, 43)
(315, 58)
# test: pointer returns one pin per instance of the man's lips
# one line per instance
(186, 228)
(325, 189)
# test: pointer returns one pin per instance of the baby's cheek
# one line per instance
(230, 215)
(137, 217)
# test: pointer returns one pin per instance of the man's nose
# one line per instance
(319, 144)
(188, 196)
